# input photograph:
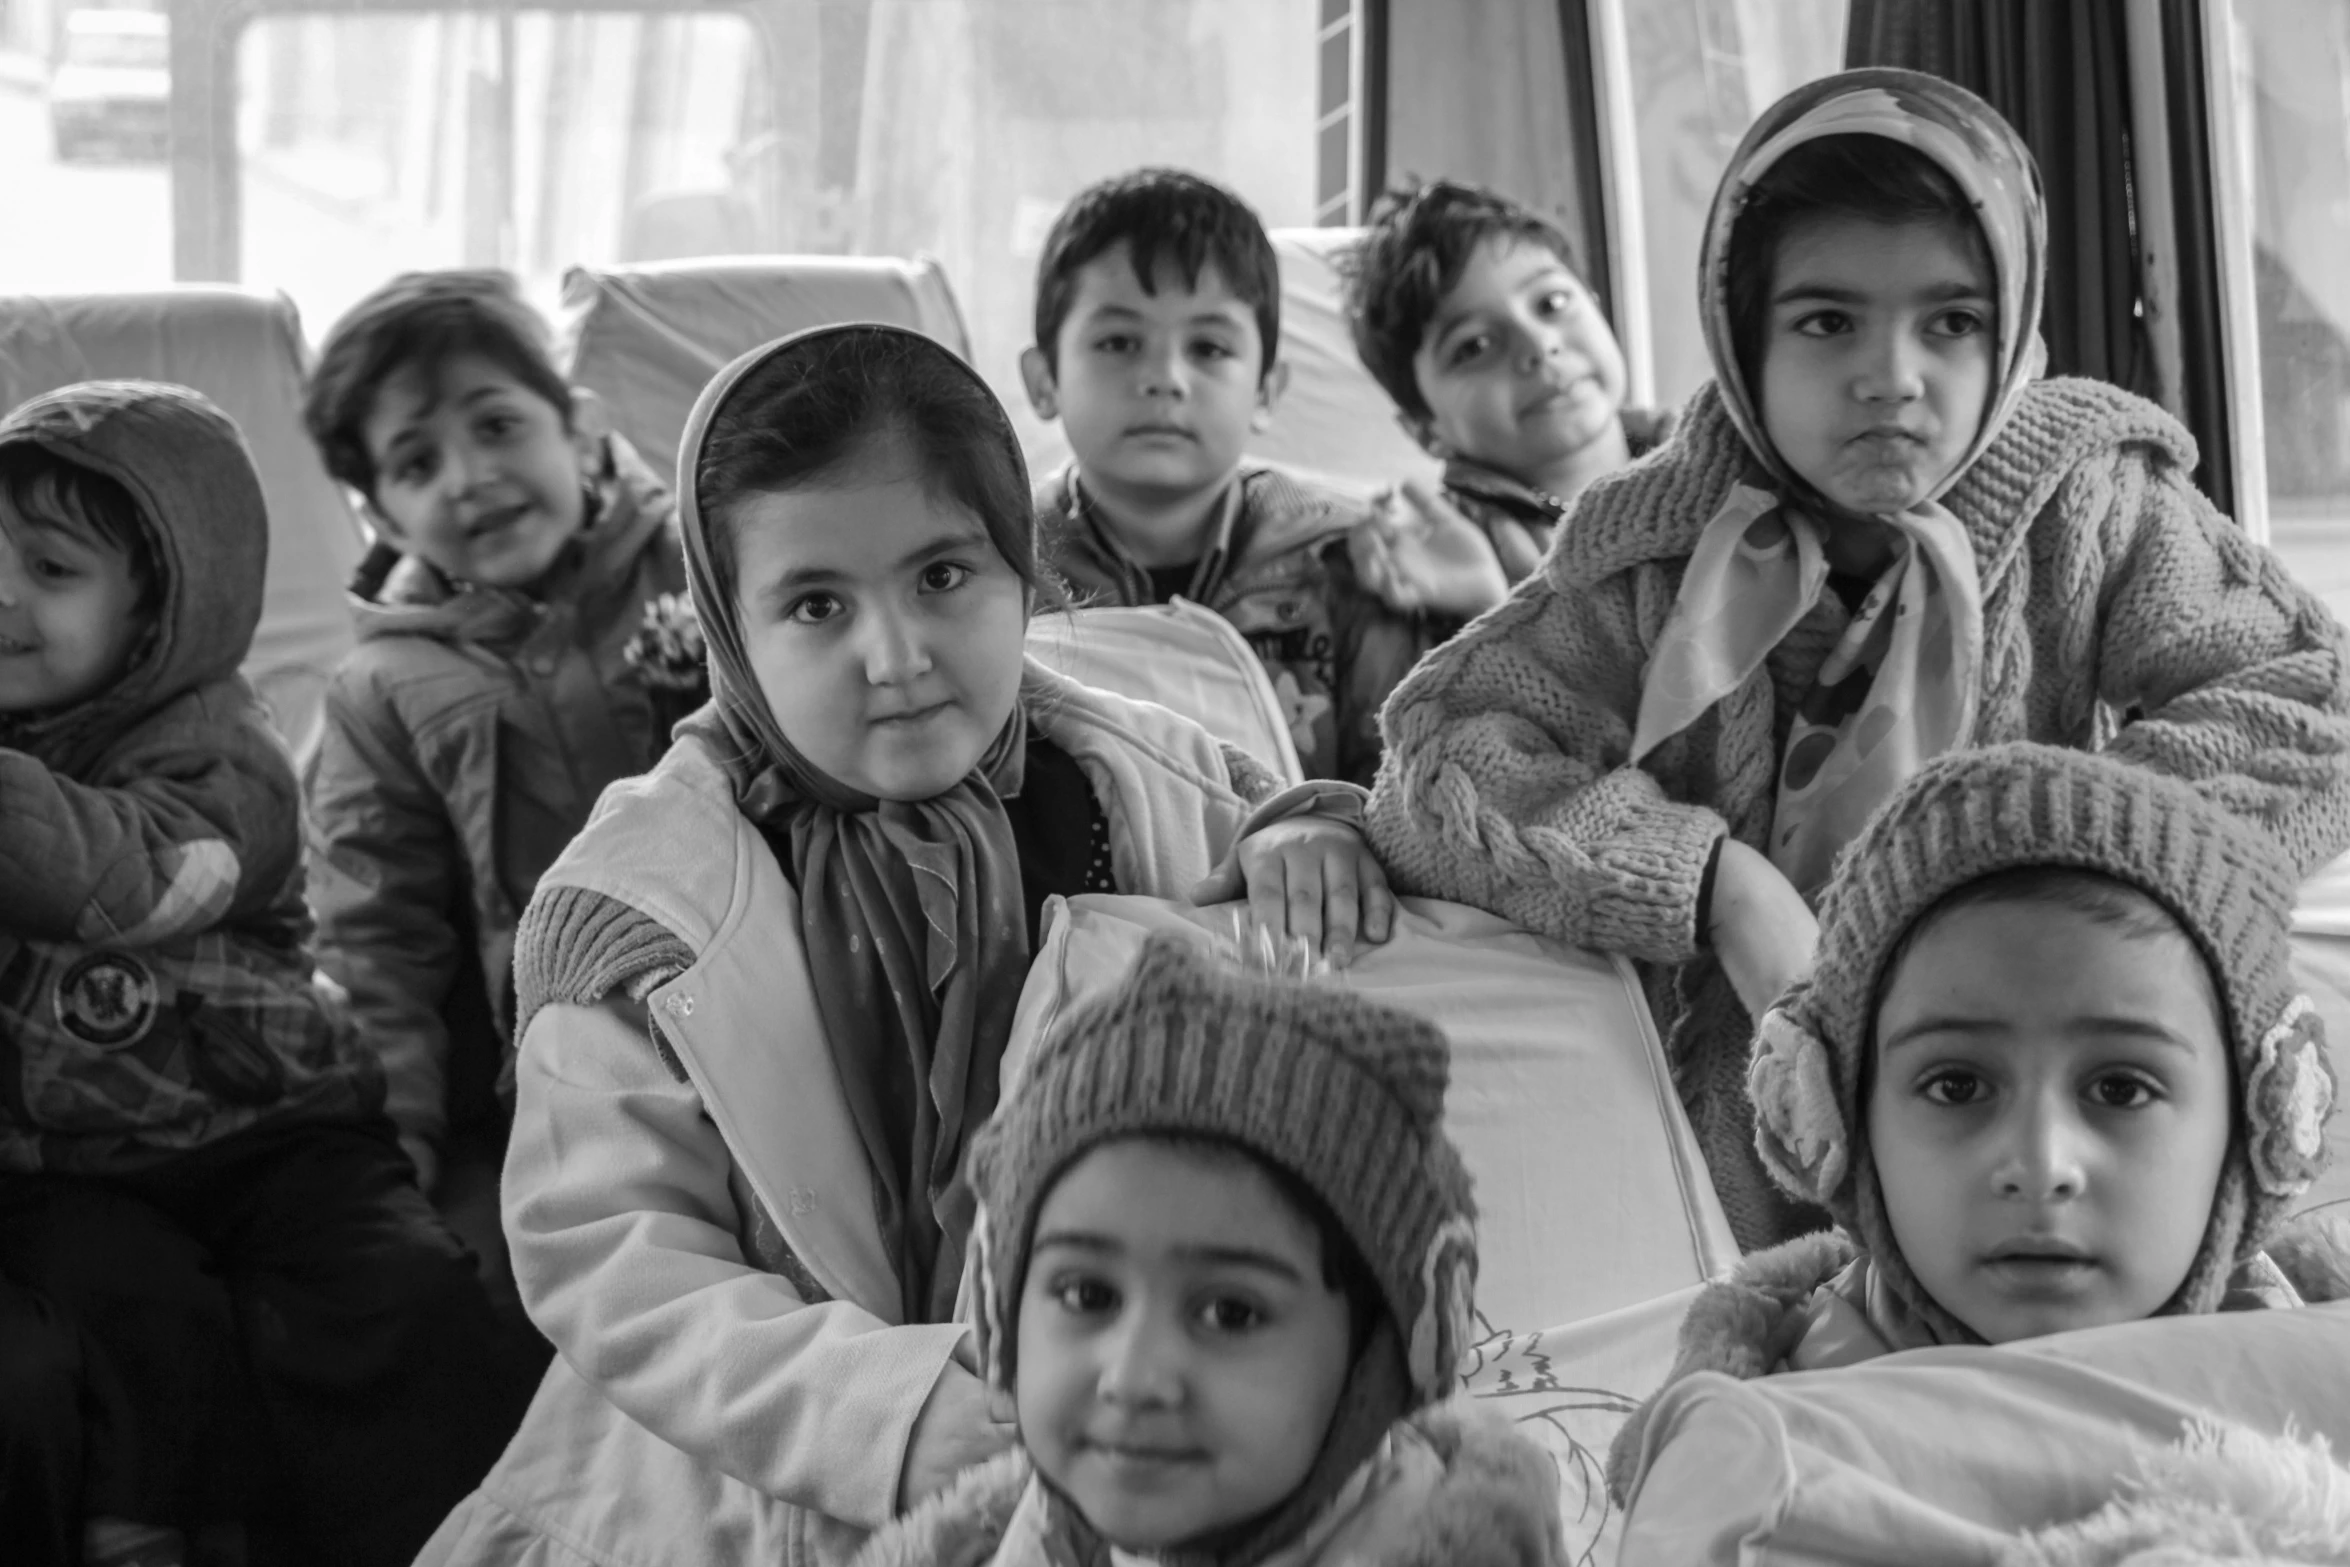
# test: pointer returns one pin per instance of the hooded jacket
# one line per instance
(1447, 1489)
(155, 994)
(465, 740)
(1278, 569)
(2120, 611)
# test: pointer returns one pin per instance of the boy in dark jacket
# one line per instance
(160, 1037)
(1158, 325)
(492, 695)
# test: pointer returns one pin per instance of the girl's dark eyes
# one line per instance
(54, 570)
(813, 609)
(1823, 323)
(2123, 1091)
(1959, 323)
(1232, 1314)
(1954, 1087)
(944, 576)
(1085, 1297)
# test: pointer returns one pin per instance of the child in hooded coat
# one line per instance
(1878, 536)
(765, 995)
(165, 1061)
(1223, 1272)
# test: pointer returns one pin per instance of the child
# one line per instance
(1467, 310)
(1223, 1276)
(491, 696)
(765, 995)
(1876, 538)
(161, 1047)
(2048, 1073)
(1158, 324)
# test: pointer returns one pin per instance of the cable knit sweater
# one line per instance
(2120, 611)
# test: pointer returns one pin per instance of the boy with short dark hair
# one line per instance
(1158, 321)
(1468, 310)
(523, 551)
(162, 1048)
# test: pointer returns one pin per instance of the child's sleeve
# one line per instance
(1377, 645)
(192, 836)
(624, 1230)
(2232, 670)
(1506, 782)
(383, 880)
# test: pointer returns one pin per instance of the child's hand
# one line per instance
(1417, 552)
(1310, 878)
(953, 1432)
(1762, 930)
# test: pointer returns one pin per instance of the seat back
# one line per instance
(1182, 656)
(647, 339)
(1334, 422)
(243, 349)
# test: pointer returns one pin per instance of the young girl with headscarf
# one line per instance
(764, 997)
(1879, 536)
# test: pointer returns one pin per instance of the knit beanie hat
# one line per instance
(1342, 1093)
(1973, 814)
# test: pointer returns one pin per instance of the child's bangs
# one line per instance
(50, 494)
(816, 409)
(1871, 178)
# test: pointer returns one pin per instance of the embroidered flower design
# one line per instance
(1794, 1095)
(2287, 1100)
(668, 649)
(1301, 709)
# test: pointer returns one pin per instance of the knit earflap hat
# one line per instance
(1343, 1093)
(1980, 812)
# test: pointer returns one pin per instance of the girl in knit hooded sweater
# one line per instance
(1878, 537)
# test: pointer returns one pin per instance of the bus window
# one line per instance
(1699, 72)
(84, 91)
(2288, 192)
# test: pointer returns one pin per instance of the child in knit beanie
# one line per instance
(2049, 1073)
(1223, 1270)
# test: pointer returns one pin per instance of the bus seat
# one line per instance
(1334, 422)
(1180, 655)
(242, 348)
(1592, 1195)
(646, 339)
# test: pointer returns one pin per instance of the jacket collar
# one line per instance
(1081, 512)
(1491, 485)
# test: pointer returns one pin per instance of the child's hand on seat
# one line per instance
(1311, 879)
(1417, 552)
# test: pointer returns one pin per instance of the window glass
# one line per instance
(2291, 102)
(84, 92)
(1702, 70)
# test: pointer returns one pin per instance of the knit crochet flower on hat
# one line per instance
(1799, 1125)
(2290, 1094)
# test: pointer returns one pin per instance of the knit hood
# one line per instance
(1976, 814)
(186, 466)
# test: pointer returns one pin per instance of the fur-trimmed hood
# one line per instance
(1814, 1303)
(1455, 1489)
(2226, 1496)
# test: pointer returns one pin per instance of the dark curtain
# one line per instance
(2059, 71)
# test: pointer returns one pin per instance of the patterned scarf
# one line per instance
(1901, 685)
(909, 910)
